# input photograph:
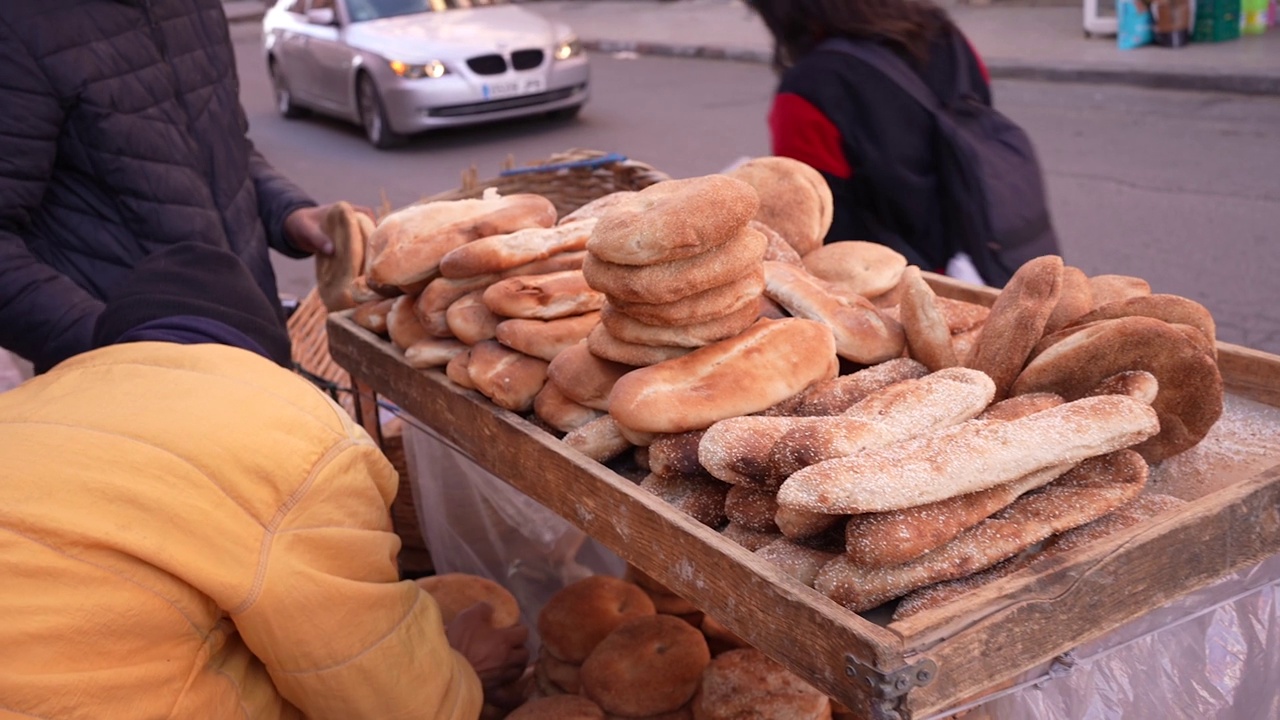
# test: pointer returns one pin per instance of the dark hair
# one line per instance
(797, 26)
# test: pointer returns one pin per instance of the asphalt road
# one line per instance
(1182, 189)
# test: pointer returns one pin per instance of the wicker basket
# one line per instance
(569, 180)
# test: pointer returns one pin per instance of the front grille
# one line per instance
(526, 59)
(498, 105)
(487, 64)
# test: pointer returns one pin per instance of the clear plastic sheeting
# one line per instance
(1212, 654)
(474, 522)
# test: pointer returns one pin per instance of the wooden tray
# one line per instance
(906, 669)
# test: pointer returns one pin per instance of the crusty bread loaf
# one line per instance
(1075, 300)
(795, 199)
(927, 332)
(894, 413)
(372, 315)
(969, 457)
(553, 408)
(415, 238)
(647, 665)
(470, 320)
(604, 345)
(882, 539)
(584, 377)
(545, 338)
(746, 683)
(1189, 398)
(769, 362)
(864, 268)
(751, 507)
(509, 378)
(804, 525)
(862, 334)
(1173, 309)
(432, 305)
(433, 352)
(698, 496)
(1110, 288)
(676, 454)
(578, 616)
(737, 449)
(543, 297)
(673, 219)
(599, 439)
(499, 253)
(670, 281)
(456, 370)
(795, 559)
(1017, 321)
(336, 272)
(776, 247)
(627, 329)
(1092, 489)
(834, 396)
(558, 707)
(599, 207)
(457, 591)
(403, 326)
(699, 307)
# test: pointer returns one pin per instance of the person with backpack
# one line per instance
(888, 100)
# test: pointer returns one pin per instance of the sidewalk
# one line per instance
(1031, 42)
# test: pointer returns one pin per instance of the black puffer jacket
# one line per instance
(121, 131)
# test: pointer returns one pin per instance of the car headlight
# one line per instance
(569, 48)
(433, 69)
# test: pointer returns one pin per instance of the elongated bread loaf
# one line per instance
(670, 281)
(336, 273)
(497, 253)
(628, 329)
(553, 408)
(736, 449)
(969, 457)
(403, 326)
(545, 339)
(470, 320)
(543, 297)
(433, 352)
(584, 377)
(891, 538)
(898, 412)
(509, 378)
(432, 305)
(605, 345)
(598, 439)
(676, 454)
(456, 370)
(372, 315)
(769, 362)
(414, 239)
(928, 335)
(701, 307)
(1092, 489)
(834, 396)
(862, 334)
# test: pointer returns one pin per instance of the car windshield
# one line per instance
(362, 10)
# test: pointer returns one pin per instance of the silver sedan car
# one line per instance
(399, 67)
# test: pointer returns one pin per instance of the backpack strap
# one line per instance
(895, 68)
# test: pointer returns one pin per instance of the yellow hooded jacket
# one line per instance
(190, 531)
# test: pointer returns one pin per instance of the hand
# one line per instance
(304, 228)
(499, 656)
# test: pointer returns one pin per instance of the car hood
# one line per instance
(454, 34)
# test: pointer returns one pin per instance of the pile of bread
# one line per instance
(817, 403)
(629, 648)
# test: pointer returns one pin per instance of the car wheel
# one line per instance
(284, 98)
(373, 116)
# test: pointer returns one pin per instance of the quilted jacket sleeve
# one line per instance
(44, 316)
(339, 635)
(277, 197)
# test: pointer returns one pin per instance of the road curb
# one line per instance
(1003, 69)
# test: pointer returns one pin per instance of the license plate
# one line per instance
(509, 88)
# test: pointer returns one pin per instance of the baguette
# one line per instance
(897, 412)
(769, 362)
(969, 457)
(1089, 491)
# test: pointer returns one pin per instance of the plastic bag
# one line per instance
(1133, 18)
(474, 522)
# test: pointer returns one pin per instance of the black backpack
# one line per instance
(993, 197)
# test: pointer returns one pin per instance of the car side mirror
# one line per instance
(322, 16)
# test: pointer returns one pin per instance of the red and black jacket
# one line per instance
(874, 144)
